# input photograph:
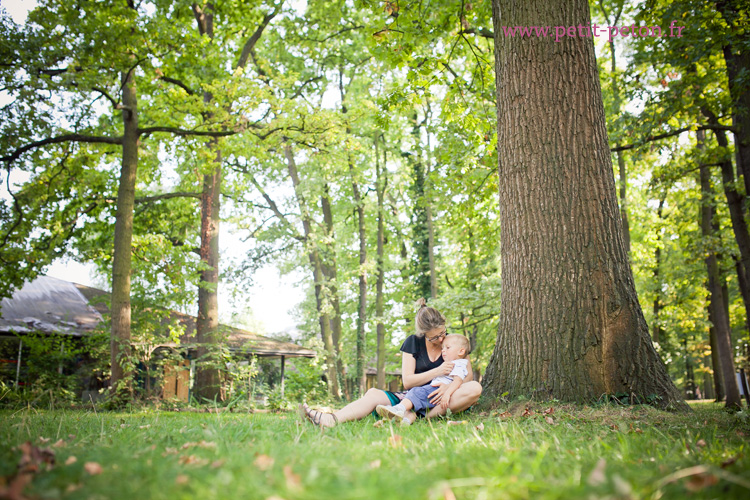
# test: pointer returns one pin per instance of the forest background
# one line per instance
(355, 144)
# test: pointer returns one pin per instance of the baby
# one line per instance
(455, 349)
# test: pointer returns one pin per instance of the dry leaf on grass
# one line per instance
(217, 463)
(597, 476)
(480, 427)
(549, 420)
(70, 460)
(701, 443)
(395, 441)
(59, 443)
(505, 414)
(293, 481)
(263, 462)
(549, 411)
(701, 481)
(527, 413)
(448, 493)
(378, 423)
(375, 464)
(44, 440)
(729, 461)
(181, 479)
(73, 487)
(193, 460)
(32, 458)
(93, 468)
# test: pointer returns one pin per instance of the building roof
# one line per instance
(48, 305)
(54, 306)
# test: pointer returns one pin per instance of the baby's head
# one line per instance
(455, 347)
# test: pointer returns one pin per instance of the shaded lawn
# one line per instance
(617, 452)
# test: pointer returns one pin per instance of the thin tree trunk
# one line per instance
(120, 349)
(330, 275)
(420, 227)
(315, 261)
(657, 329)
(737, 59)
(362, 310)
(719, 314)
(571, 326)
(381, 182)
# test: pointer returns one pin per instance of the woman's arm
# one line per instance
(411, 379)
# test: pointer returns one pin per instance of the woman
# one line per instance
(421, 361)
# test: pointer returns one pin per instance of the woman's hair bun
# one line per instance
(421, 302)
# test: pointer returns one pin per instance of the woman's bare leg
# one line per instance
(464, 397)
(355, 410)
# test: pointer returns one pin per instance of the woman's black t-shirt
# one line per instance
(416, 346)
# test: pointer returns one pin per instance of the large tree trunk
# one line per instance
(207, 383)
(719, 314)
(571, 326)
(317, 267)
(420, 227)
(121, 264)
(207, 380)
(381, 181)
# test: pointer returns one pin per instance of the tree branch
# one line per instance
(57, 140)
(483, 32)
(174, 81)
(186, 133)
(249, 47)
(673, 133)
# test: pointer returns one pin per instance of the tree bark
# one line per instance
(420, 227)
(381, 183)
(121, 263)
(571, 326)
(719, 314)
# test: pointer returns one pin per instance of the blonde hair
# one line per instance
(427, 318)
(461, 342)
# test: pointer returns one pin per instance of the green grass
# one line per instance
(599, 452)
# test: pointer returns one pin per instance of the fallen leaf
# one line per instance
(729, 461)
(263, 462)
(638, 430)
(169, 451)
(505, 414)
(192, 460)
(59, 443)
(701, 443)
(217, 463)
(71, 460)
(293, 481)
(597, 476)
(527, 413)
(181, 479)
(147, 426)
(448, 493)
(549, 411)
(44, 440)
(480, 427)
(71, 436)
(701, 481)
(379, 423)
(375, 464)
(395, 441)
(73, 487)
(549, 420)
(93, 468)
